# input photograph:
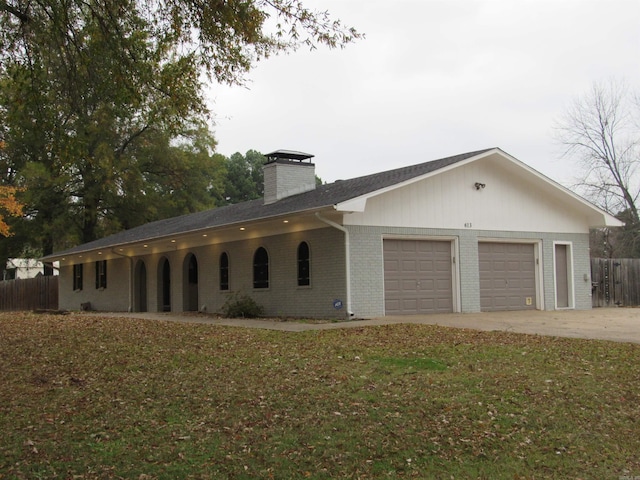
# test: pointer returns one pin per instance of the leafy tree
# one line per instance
(9, 206)
(169, 179)
(600, 131)
(100, 102)
(244, 179)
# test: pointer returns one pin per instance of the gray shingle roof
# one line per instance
(323, 196)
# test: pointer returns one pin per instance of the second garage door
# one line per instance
(507, 276)
(417, 277)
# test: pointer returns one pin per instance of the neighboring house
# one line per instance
(19, 268)
(480, 231)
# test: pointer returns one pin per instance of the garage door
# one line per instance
(417, 277)
(507, 276)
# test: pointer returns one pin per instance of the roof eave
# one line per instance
(112, 247)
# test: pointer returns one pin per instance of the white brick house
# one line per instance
(480, 231)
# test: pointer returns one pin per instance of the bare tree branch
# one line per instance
(22, 16)
(601, 131)
(598, 131)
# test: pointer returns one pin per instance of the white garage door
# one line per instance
(507, 276)
(417, 277)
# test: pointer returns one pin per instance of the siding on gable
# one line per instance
(450, 200)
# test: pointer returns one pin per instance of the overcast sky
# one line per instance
(433, 78)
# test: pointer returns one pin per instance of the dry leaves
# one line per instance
(89, 397)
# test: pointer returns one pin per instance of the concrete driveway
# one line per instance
(617, 324)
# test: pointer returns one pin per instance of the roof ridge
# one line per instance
(458, 158)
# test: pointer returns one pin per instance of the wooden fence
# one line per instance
(616, 282)
(39, 293)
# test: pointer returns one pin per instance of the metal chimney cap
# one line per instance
(288, 155)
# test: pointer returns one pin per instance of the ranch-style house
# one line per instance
(480, 231)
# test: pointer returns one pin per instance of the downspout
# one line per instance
(130, 308)
(347, 256)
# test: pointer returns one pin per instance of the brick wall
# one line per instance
(283, 178)
(327, 248)
(367, 267)
(283, 297)
(113, 298)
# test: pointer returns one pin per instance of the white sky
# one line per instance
(433, 78)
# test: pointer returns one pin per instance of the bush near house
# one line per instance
(87, 397)
(241, 306)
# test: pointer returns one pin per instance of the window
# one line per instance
(303, 264)
(101, 274)
(224, 271)
(77, 277)
(261, 268)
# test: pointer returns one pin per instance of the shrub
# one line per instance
(241, 306)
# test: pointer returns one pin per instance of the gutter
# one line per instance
(346, 255)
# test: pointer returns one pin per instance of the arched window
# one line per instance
(224, 271)
(261, 268)
(303, 264)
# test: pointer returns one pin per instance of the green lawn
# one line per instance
(85, 397)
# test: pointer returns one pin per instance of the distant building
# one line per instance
(25, 268)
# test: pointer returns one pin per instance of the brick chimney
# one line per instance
(287, 173)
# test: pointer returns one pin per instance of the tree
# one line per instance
(600, 131)
(225, 38)
(9, 206)
(169, 179)
(98, 97)
(244, 178)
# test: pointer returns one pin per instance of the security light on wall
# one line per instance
(479, 185)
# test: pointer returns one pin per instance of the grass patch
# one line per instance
(411, 364)
(89, 397)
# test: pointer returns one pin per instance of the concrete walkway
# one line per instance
(617, 324)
